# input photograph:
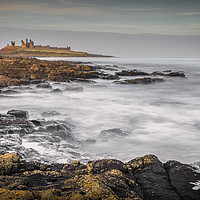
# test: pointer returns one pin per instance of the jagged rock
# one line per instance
(141, 178)
(183, 179)
(18, 70)
(153, 178)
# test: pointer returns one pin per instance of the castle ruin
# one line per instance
(30, 44)
(12, 43)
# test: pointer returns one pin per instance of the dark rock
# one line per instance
(142, 178)
(43, 85)
(167, 70)
(184, 180)
(90, 141)
(134, 72)
(141, 81)
(153, 178)
(113, 132)
(36, 122)
(21, 114)
(157, 73)
(176, 74)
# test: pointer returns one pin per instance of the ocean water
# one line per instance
(110, 120)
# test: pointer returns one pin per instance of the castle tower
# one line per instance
(23, 45)
(31, 44)
(27, 44)
(12, 43)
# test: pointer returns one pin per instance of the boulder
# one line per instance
(184, 180)
(19, 114)
(153, 178)
(113, 132)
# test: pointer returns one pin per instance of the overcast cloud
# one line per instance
(173, 17)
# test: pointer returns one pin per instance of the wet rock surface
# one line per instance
(16, 71)
(141, 178)
(19, 134)
(141, 81)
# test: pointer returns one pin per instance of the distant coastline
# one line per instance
(29, 49)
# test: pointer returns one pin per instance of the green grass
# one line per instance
(45, 52)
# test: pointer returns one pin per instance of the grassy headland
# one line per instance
(43, 52)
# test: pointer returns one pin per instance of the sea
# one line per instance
(116, 121)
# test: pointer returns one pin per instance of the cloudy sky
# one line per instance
(171, 17)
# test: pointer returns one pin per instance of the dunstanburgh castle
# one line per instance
(30, 44)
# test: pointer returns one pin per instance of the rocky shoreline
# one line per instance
(15, 71)
(144, 177)
(141, 178)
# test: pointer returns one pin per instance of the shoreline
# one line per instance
(140, 178)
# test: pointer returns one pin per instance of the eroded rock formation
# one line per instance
(141, 178)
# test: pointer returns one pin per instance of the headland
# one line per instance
(29, 49)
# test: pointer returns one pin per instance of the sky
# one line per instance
(169, 17)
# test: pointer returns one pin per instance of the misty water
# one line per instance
(110, 120)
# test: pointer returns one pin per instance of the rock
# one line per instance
(111, 77)
(169, 73)
(100, 166)
(18, 70)
(140, 81)
(184, 180)
(153, 178)
(143, 178)
(134, 72)
(113, 132)
(8, 91)
(19, 114)
(176, 74)
(5, 81)
(43, 85)
(36, 122)
(90, 141)
(9, 163)
(157, 73)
